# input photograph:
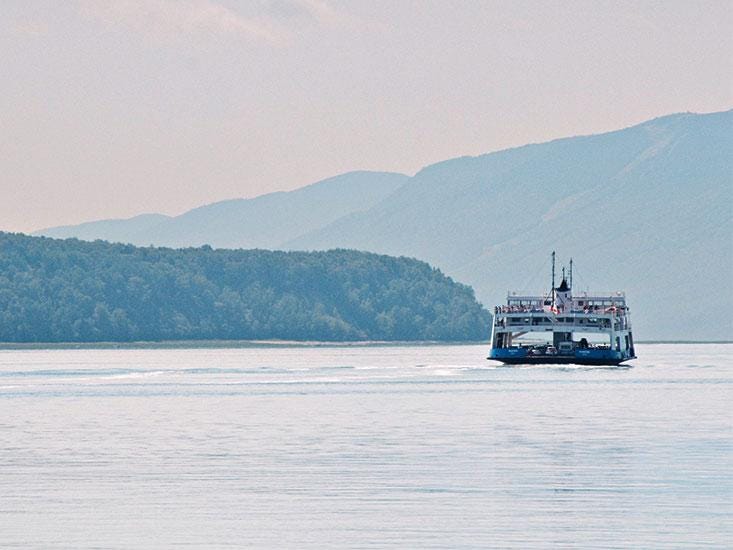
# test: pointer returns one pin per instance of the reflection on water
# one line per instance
(404, 447)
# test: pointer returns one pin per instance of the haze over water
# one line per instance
(367, 447)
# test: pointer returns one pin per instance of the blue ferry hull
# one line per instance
(519, 356)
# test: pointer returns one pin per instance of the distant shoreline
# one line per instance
(247, 344)
(228, 344)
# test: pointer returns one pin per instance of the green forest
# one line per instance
(74, 291)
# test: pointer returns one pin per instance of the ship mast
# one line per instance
(571, 273)
(553, 279)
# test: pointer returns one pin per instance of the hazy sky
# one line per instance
(114, 108)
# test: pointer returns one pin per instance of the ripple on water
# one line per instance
(409, 447)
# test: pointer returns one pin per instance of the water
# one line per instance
(364, 447)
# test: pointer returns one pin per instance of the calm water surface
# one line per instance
(364, 447)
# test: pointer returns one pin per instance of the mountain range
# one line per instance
(267, 221)
(647, 209)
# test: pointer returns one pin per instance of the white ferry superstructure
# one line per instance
(601, 317)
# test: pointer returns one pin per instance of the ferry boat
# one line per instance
(602, 318)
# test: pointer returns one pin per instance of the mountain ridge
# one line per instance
(647, 206)
(627, 202)
(257, 222)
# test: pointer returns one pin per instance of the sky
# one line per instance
(109, 109)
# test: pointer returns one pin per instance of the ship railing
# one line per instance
(531, 320)
(598, 295)
(594, 310)
(527, 294)
(590, 295)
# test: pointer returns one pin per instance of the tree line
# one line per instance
(75, 291)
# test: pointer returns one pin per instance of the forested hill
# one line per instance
(73, 291)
